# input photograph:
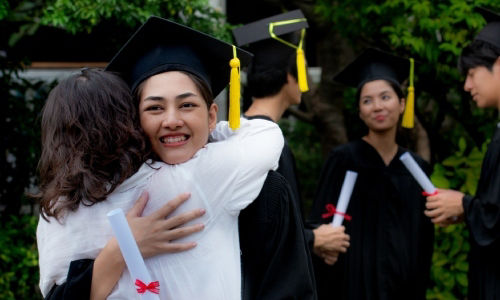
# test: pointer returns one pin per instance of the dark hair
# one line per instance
(200, 84)
(91, 141)
(396, 87)
(478, 53)
(264, 81)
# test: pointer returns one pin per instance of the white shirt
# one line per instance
(223, 178)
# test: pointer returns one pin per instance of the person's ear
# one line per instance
(402, 103)
(212, 116)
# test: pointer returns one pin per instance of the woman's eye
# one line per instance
(366, 101)
(386, 97)
(188, 105)
(152, 108)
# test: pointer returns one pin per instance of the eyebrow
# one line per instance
(178, 97)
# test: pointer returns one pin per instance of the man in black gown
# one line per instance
(279, 267)
(480, 61)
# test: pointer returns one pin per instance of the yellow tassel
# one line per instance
(408, 118)
(234, 94)
(301, 71)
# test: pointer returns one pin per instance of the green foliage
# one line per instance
(19, 258)
(460, 171)
(84, 15)
(305, 143)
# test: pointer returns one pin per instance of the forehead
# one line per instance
(376, 87)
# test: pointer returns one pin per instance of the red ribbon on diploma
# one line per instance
(425, 194)
(152, 287)
(331, 210)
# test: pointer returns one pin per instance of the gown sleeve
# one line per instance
(78, 282)
(482, 212)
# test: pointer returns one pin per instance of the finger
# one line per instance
(433, 213)
(178, 247)
(174, 234)
(440, 219)
(170, 206)
(330, 260)
(182, 219)
(432, 205)
(140, 204)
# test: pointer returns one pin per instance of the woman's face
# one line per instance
(379, 106)
(175, 117)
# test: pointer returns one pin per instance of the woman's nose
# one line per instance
(172, 120)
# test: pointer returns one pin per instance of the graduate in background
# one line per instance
(391, 239)
(280, 267)
(480, 61)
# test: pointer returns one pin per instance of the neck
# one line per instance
(272, 107)
(384, 143)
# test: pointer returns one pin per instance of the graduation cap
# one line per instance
(491, 32)
(274, 40)
(374, 64)
(160, 45)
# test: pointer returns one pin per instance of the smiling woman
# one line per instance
(173, 114)
(391, 239)
(173, 80)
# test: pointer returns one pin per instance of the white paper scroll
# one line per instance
(345, 196)
(417, 173)
(130, 251)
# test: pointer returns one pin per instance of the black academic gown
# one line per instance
(275, 260)
(391, 238)
(288, 170)
(482, 215)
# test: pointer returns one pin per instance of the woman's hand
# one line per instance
(329, 242)
(445, 207)
(155, 233)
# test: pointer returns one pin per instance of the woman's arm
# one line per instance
(154, 235)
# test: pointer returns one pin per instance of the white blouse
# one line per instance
(223, 178)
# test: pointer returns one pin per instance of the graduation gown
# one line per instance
(482, 215)
(287, 168)
(276, 263)
(391, 238)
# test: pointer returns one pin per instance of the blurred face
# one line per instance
(379, 106)
(484, 85)
(175, 116)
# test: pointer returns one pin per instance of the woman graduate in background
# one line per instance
(391, 239)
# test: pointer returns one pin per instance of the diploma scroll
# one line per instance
(345, 196)
(147, 289)
(417, 173)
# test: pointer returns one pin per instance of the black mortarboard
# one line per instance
(160, 45)
(277, 51)
(374, 64)
(491, 32)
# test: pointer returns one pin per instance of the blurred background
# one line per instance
(43, 41)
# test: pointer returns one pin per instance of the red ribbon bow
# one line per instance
(425, 194)
(153, 287)
(330, 211)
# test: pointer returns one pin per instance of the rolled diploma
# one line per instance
(130, 251)
(417, 173)
(345, 196)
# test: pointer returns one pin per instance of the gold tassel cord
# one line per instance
(408, 116)
(301, 61)
(234, 92)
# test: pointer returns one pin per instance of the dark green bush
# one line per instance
(19, 258)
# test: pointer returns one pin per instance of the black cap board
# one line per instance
(160, 45)
(491, 32)
(268, 51)
(374, 64)
(259, 30)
